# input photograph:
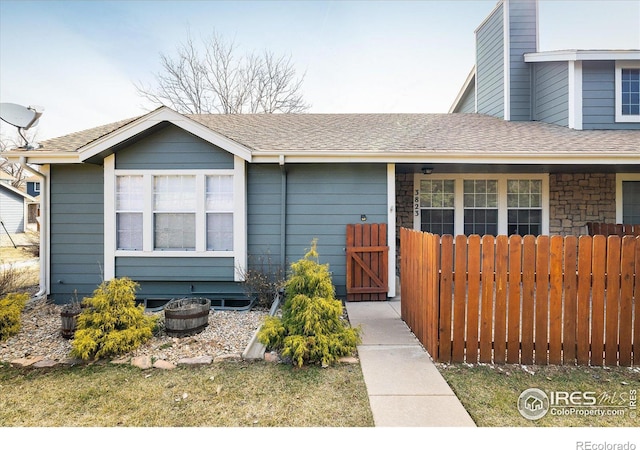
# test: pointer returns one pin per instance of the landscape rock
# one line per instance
(142, 362)
(26, 361)
(45, 363)
(196, 361)
(229, 357)
(272, 357)
(164, 365)
(349, 360)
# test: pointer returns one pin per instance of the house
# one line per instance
(14, 209)
(183, 203)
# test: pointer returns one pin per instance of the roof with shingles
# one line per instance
(384, 133)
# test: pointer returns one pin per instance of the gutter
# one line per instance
(283, 214)
(44, 229)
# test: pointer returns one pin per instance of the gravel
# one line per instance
(228, 333)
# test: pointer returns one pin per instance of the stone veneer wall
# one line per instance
(578, 198)
(404, 208)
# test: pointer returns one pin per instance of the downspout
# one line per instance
(283, 215)
(44, 229)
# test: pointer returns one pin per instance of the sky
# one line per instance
(79, 60)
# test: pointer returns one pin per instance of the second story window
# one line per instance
(627, 91)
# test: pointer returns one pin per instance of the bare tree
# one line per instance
(219, 80)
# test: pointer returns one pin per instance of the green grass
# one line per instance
(490, 393)
(236, 394)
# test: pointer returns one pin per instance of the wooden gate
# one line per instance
(367, 262)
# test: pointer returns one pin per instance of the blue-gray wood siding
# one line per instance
(551, 92)
(77, 224)
(173, 148)
(467, 103)
(322, 199)
(522, 39)
(598, 97)
(11, 211)
(490, 65)
(31, 188)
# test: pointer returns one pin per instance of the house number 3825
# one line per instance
(416, 203)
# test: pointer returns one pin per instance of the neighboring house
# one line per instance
(14, 209)
(183, 203)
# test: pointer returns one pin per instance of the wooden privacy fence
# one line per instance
(523, 300)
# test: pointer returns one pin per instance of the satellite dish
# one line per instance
(20, 117)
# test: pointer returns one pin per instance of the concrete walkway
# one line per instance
(405, 388)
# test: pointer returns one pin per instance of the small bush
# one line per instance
(11, 307)
(111, 323)
(312, 328)
(263, 279)
(12, 279)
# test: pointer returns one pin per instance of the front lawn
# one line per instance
(490, 394)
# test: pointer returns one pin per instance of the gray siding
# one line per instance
(551, 92)
(490, 65)
(468, 101)
(522, 39)
(173, 148)
(322, 199)
(598, 97)
(264, 210)
(77, 223)
(11, 211)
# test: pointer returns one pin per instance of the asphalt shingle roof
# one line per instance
(397, 133)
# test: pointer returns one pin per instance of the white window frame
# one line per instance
(36, 187)
(239, 252)
(633, 118)
(502, 197)
(620, 178)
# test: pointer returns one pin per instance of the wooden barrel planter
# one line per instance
(186, 316)
(69, 320)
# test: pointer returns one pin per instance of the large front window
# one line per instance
(481, 204)
(190, 212)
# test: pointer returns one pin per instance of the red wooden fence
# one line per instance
(523, 300)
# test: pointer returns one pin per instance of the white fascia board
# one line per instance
(163, 114)
(19, 192)
(443, 157)
(583, 55)
(42, 157)
(470, 81)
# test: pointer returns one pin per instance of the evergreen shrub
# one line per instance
(111, 323)
(312, 328)
(11, 306)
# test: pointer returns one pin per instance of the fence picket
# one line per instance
(570, 303)
(515, 278)
(460, 299)
(635, 349)
(500, 331)
(542, 299)
(583, 325)
(627, 269)
(528, 298)
(612, 300)
(446, 282)
(473, 282)
(555, 299)
(598, 267)
(486, 305)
